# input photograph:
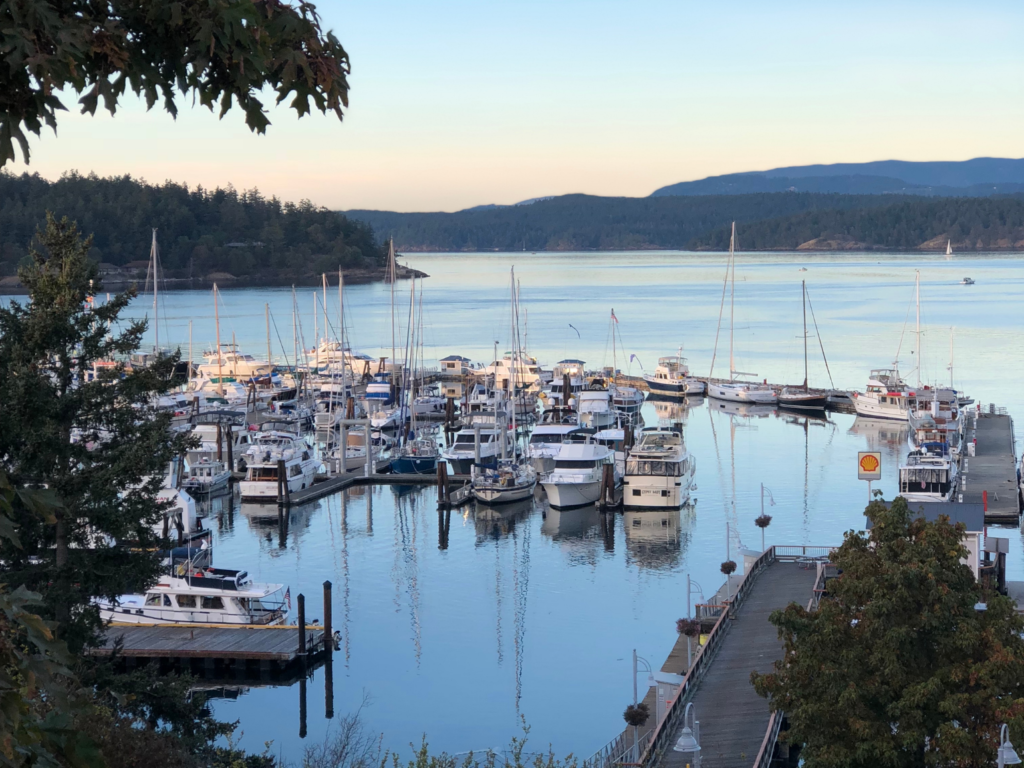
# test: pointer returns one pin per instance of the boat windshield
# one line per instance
(658, 468)
(575, 463)
(548, 439)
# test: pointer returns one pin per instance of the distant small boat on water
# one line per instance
(949, 247)
(967, 281)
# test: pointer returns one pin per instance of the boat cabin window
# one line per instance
(657, 468)
(153, 600)
(924, 480)
(213, 603)
(575, 463)
(185, 601)
(545, 439)
(263, 474)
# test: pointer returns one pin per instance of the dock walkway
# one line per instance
(990, 475)
(170, 641)
(733, 718)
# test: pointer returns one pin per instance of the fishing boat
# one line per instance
(885, 396)
(264, 460)
(967, 281)
(578, 474)
(211, 596)
(735, 391)
(672, 378)
(206, 477)
(659, 471)
(803, 399)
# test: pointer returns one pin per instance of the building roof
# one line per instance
(454, 358)
(971, 515)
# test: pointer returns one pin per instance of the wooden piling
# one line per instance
(301, 602)
(608, 486)
(302, 707)
(231, 457)
(282, 478)
(328, 620)
(566, 389)
(220, 443)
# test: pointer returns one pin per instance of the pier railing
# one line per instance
(660, 738)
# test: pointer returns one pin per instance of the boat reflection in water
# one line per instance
(578, 523)
(268, 518)
(655, 538)
(881, 433)
(673, 411)
(733, 408)
(500, 521)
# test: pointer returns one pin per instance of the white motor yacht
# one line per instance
(935, 416)
(263, 462)
(885, 396)
(429, 403)
(545, 443)
(594, 406)
(626, 401)
(207, 596)
(659, 471)
(579, 471)
(228, 364)
(929, 474)
(521, 369)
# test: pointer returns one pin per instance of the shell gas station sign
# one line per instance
(869, 465)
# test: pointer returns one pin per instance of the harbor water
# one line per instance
(527, 614)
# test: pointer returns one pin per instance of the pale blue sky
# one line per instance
(460, 103)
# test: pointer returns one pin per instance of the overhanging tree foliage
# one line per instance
(87, 456)
(220, 51)
(896, 667)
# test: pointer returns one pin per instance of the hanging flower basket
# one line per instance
(636, 715)
(728, 567)
(688, 627)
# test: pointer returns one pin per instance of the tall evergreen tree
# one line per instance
(897, 667)
(87, 454)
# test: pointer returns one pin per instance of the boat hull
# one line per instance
(568, 495)
(742, 394)
(492, 496)
(414, 465)
(263, 490)
(875, 410)
(803, 402)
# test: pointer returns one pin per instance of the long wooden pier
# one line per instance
(989, 476)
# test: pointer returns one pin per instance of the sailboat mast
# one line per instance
(391, 279)
(918, 293)
(803, 293)
(732, 300)
(326, 326)
(614, 363)
(512, 373)
(267, 309)
(216, 320)
(156, 282)
(341, 329)
(951, 358)
(190, 349)
(316, 332)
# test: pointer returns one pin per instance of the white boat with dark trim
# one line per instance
(511, 480)
(659, 471)
(545, 443)
(885, 396)
(206, 477)
(462, 453)
(594, 406)
(208, 596)
(742, 392)
(578, 474)
(672, 377)
(929, 474)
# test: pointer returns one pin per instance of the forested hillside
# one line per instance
(199, 231)
(970, 223)
(584, 222)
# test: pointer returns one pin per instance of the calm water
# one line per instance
(530, 612)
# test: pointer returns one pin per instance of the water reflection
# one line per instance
(499, 521)
(657, 539)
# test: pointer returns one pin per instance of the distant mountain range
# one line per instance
(980, 177)
(846, 206)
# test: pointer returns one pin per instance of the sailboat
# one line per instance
(418, 453)
(803, 398)
(949, 247)
(736, 391)
(512, 479)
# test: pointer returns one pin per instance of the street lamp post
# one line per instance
(1006, 754)
(650, 679)
(689, 740)
(772, 499)
(689, 590)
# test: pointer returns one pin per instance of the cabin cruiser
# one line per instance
(967, 281)
(228, 364)
(885, 396)
(578, 475)
(206, 477)
(594, 406)
(743, 392)
(935, 416)
(519, 371)
(429, 403)
(929, 474)
(389, 418)
(205, 596)
(264, 460)
(659, 471)
(462, 453)
(672, 377)
(545, 443)
(379, 392)
(626, 401)
(570, 371)
(511, 480)
(241, 439)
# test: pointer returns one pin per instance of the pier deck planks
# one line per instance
(993, 468)
(194, 642)
(733, 718)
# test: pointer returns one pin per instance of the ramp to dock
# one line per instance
(733, 718)
(990, 475)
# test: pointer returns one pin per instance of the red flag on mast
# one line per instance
(614, 317)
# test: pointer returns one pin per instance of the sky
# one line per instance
(455, 103)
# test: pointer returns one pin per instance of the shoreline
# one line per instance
(226, 282)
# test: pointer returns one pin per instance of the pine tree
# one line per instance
(87, 457)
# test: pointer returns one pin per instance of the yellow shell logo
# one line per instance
(869, 463)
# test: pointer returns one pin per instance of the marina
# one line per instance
(431, 576)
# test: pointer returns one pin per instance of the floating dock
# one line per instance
(241, 650)
(989, 476)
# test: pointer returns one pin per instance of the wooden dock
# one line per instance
(242, 650)
(989, 477)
